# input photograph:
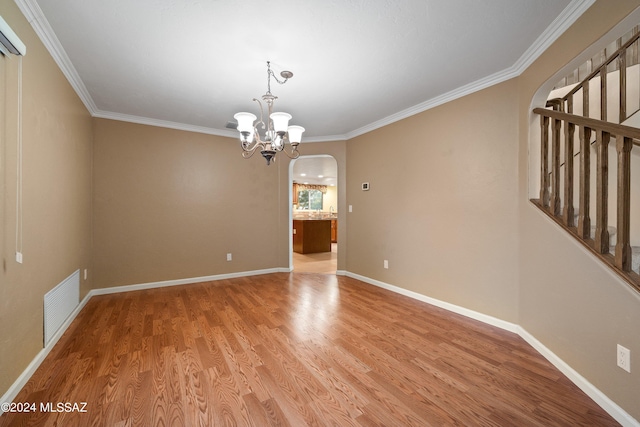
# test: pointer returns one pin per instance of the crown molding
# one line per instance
(559, 25)
(460, 92)
(569, 15)
(328, 138)
(163, 123)
(193, 128)
(31, 10)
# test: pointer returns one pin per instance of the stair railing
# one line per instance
(561, 129)
(566, 103)
(550, 199)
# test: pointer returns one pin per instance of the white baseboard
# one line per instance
(162, 284)
(619, 414)
(600, 398)
(15, 388)
(508, 326)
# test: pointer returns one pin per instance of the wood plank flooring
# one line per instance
(293, 350)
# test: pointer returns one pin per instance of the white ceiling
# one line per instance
(357, 64)
(321, 170)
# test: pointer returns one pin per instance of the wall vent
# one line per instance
(59, 303)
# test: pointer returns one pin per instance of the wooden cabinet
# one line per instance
(311, 236)
(334, 231)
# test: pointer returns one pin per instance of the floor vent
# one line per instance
(59, 303)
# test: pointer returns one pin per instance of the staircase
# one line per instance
(588, 131)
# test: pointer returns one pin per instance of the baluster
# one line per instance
(554, 203)
(623, 86)
(544, 160)
(603, 93)
(585, 99)
(569, 129)
(602, 190)
(584, 222)
(623, 247)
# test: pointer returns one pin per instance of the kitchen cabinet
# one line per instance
(334, 231)
(311, 235)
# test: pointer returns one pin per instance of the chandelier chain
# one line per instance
(270, 73)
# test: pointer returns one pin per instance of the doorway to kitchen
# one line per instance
(314, 214)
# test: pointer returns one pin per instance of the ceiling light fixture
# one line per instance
(276, 130)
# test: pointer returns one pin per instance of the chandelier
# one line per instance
(276, 132)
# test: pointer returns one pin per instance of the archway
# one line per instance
(313, 210)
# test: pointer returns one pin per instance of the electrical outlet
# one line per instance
(623, 358)
(386, 263)
(350, 208)
(19, 257)
(85, 274)
(229, 257)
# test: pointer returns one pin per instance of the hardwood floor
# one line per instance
(293, 350)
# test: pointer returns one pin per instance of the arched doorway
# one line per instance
(313, 189)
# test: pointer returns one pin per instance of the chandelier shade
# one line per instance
(280, 122)
(245, 121)
(276, 130)
(295, 134)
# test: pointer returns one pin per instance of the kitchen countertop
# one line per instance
(315, 219)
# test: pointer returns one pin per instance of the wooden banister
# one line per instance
(558, 127)
(614, 56)
(612, 128)
(552, 122)
(619, 58)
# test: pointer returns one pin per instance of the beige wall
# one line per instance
(569, 301)
(171, 204)
(442, 207)
(448, 207)
(56, 194)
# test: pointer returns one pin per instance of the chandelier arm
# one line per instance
(269, 112)
(252, 147)
(261, 116)
(294, 152)
(247, 154)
